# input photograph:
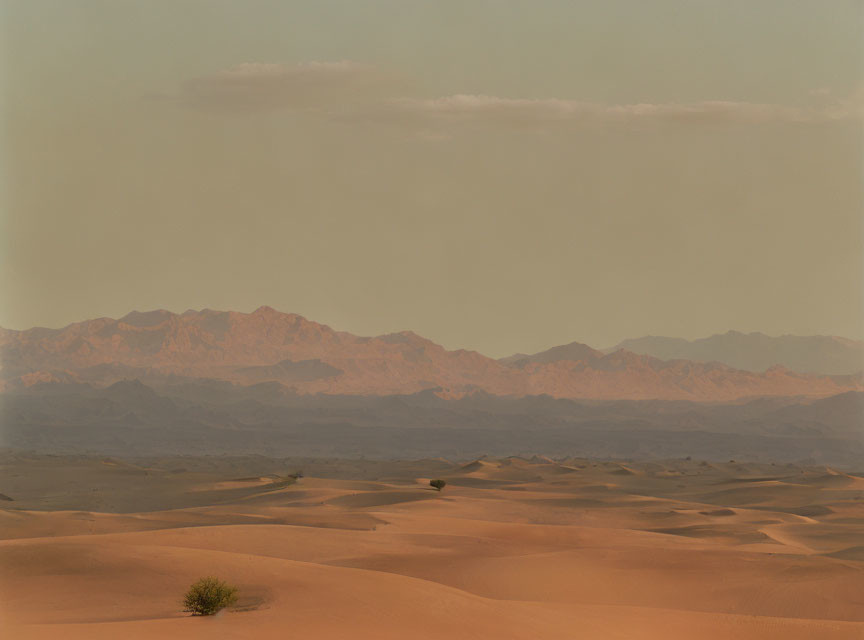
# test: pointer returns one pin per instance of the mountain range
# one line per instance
(300, 356)
(757, 352)
(211, 417)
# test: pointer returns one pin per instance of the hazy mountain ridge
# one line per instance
(827, 355)
(160, 347)
(218, 417)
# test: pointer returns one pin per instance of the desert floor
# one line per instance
(511, 548)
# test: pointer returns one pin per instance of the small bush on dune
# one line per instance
(438, 484)
(209, 595)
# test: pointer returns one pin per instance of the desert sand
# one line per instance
(511, 548)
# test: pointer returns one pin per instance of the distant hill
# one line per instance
(827, 355)
(290, 354)
(575, 351)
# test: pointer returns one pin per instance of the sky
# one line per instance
(494, 175)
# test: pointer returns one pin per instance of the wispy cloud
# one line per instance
(360, 92)
(481, 108)
(309, 85)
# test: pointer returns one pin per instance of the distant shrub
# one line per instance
(209, 595)
(285, 481)
(438, 484)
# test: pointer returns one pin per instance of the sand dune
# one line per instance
(511, 548)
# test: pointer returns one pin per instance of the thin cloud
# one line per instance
(481, 108)
(256, 86)
(352, 91)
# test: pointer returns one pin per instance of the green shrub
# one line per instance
(209, 595)
(438, 484)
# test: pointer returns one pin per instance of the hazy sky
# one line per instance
(500, 176)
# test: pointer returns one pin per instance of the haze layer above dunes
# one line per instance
(217, 417)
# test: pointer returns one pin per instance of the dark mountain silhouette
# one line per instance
(216, 417)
